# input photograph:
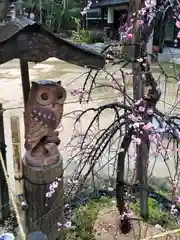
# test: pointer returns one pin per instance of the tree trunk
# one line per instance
(4, 4)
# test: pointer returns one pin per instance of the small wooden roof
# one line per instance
(25, 39)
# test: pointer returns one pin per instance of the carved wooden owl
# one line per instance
(43, 111)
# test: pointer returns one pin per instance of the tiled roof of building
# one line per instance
(103, 3)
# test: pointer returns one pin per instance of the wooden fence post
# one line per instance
(4, 194)
(25, 80)
(45, 203)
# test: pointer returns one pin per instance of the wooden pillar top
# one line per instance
(43, 175)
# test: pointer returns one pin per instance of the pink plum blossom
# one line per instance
(148, 126)
(129, 36)
(178, 100)
(143, 11)
(137, 140)
(150, 3)
(178, 199)
(178, 24)
(178, 35)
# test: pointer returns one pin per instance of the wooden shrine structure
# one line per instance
(25, 39)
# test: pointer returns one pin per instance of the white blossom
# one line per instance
(136, 125)
(48, 194)
(55, 184)
(52, 191)
(59, 224)
(51, 188)
(68, 224)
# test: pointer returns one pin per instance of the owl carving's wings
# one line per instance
(39, 123)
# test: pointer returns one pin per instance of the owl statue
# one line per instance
(43, 114)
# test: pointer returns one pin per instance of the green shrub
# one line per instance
(84, 219)
(162, 184)
(158, 216)
(83, 36)
(86, 36)
(68, 19)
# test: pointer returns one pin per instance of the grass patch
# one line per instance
(157, 215)
(84, 219)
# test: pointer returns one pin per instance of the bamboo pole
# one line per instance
(164, 234)
(17, 164)
(16, 143)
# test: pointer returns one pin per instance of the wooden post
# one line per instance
(102, 19)
(25, 80)
(42, 162)
(18, 175)
(4, 195)
(142, 158)
(4, 4)
(44, 211)
(138, 93)
(149, 47)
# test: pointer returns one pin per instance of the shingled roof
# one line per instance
(25, 39)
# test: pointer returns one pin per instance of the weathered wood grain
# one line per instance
(43, 213)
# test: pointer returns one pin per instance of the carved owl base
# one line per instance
(51, 157)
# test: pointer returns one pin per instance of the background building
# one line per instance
(114, 13)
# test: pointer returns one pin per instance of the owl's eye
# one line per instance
(44, 96)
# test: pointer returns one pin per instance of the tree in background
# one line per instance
(55, 14)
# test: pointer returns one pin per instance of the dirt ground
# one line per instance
(106, 227)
